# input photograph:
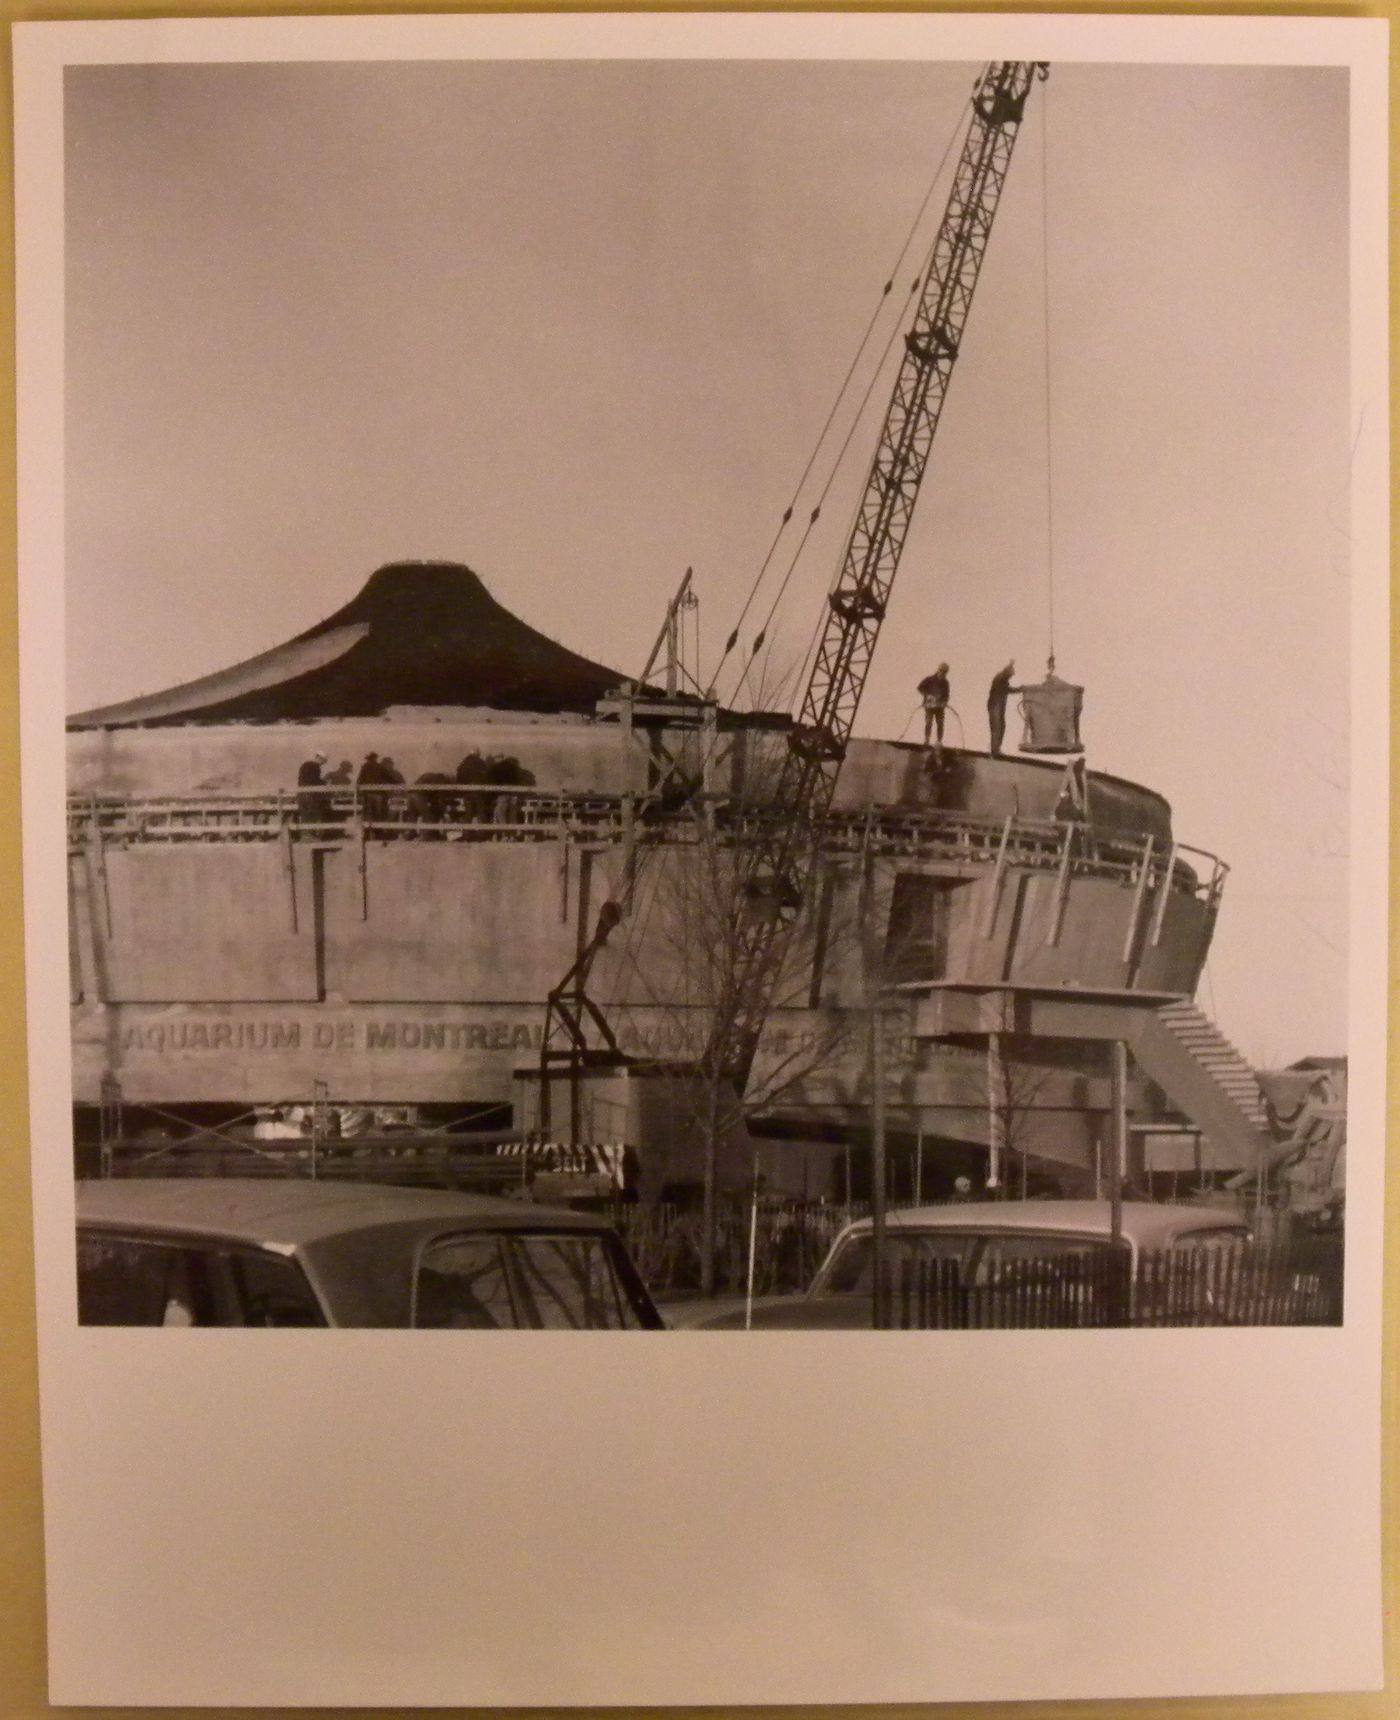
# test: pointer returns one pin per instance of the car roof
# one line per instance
(288, 1213)
(1145, 1224)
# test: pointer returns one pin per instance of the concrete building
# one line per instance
(237, 943)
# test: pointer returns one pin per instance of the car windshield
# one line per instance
(561, 1281)
(850, 1271)
(1219, 1237)
(1007, 1259)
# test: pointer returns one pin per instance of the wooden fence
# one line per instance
(1242, 1282)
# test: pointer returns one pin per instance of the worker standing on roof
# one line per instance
(311, 776)
(472, 771)
(373, 805)
(998, 693)
(934, 691)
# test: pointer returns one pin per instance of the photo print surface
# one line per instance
(709, 690)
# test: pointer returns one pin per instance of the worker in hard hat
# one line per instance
(934, 691)
(998, 693)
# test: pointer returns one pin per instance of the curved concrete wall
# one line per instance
(579, 755)
(256, 971)
(417, 971)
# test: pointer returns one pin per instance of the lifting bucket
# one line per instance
(1051, 710)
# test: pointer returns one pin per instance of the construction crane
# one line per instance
(776, 866)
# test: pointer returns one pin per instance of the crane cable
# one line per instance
(841, 394)
(1049, 449)
(818, 629)
(821, 502)
(639, 916)
(876, 374)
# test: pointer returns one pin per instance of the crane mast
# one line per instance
(777, 864)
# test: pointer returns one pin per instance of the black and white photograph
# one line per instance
(710, 693)
(572, 705)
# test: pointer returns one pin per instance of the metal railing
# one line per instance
(509, 813)
(442, 812)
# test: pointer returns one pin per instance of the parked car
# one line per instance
(1050, 1262)
(275, 1252)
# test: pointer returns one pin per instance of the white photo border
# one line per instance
(651, 1521)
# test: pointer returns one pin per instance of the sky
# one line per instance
(579, 325)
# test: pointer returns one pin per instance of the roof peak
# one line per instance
(422, 633)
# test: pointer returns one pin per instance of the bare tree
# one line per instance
(1014, 1089)
(703, 975)
(693, 901)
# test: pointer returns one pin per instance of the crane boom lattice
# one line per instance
(778, 866)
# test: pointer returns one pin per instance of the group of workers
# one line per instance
(1051, 728)
(471, 795)
(372, 782)
(479, 776)
(934, 691)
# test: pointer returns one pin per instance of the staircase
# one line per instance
(1207, 1080)
(1214, 1052)
(1172, 1042)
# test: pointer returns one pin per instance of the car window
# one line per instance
(123, 1283)
(142, 1281)
(270, 1291)
(559, 1282)
(850, 1271)
(571, 1282)
(462, 1283)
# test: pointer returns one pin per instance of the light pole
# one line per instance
(879, 1263)
(996, 1118)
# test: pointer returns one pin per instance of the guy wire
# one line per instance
(840, 396)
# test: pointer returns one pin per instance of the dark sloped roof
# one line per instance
(418, 633)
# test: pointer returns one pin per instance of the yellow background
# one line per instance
(22, 1679)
